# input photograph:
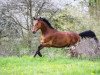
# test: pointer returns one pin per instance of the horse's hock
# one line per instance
(86, 47)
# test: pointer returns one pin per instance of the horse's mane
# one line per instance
(47, 22)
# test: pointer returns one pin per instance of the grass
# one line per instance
(27, 65)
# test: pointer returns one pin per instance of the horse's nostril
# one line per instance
(34, 32)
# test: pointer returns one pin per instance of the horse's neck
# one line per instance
(47, 30)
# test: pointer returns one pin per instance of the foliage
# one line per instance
(16, 22)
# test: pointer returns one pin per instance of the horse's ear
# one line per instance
(34, 18)
(40, 18)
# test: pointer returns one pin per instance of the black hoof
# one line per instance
(38, 52)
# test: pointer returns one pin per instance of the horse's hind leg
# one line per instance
(38, 51)
(73, 51)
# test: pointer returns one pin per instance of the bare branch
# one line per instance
(38, 12)
(54, 13)
(17, 22)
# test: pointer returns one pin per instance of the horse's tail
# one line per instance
(89, 34)
(96, 39)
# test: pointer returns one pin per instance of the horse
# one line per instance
(51, 37)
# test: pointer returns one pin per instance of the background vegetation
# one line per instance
(16, 21)
(18, 44)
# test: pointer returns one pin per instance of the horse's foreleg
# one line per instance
(38, 51)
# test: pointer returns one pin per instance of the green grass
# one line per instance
(27, 65)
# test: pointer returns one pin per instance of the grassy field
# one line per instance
(27, 65)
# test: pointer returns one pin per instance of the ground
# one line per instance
(28, 65)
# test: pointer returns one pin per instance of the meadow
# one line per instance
(28, 65)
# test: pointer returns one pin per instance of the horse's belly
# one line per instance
(60, 43)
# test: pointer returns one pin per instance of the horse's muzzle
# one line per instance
(33, 32)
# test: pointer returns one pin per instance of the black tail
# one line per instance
(89, 34)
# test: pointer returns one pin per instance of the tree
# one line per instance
(94, 6)
(20, 14)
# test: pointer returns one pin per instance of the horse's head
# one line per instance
(41, 23)
(37, 24)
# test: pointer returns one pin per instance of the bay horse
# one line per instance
(53, 38)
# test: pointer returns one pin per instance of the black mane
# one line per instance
(46, 21)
